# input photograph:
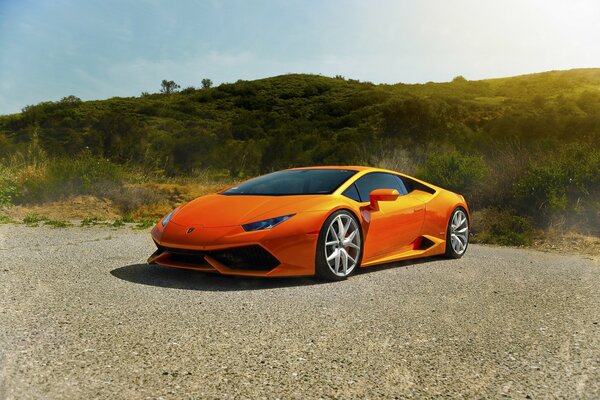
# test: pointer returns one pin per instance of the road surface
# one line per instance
(82, 316)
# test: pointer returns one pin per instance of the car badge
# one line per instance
(190, 230)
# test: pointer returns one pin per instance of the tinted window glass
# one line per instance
(293, 182)
(403, 189)
(414, 185)
(378, 180)
(352, 193)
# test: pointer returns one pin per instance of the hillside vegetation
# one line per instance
(524, 150)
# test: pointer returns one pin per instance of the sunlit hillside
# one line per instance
(524, 149)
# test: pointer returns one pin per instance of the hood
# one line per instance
(216, 210)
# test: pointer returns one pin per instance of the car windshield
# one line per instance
(293, 182)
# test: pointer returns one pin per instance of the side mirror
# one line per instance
(378, 195)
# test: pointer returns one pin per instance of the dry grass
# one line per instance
(394, 159)
(173, 195)
(567, 242)
(147, 201)
(78, 207)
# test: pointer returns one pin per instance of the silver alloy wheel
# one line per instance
(342, 245)
(459, 232)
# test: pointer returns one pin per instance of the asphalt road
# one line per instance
(82, 316)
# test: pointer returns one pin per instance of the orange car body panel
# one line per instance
(395, 230)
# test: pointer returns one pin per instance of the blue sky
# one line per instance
(103, 48)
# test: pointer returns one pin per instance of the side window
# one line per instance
(352, 193)
(414, 185)
(378, 180)
(403, 190)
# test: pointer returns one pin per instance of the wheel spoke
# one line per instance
(333, 255)
(459, 243)
(332, 230)
(350, 257)
(341, 232)
(455, 236)
(455, 243)
(331, 243)
(351, 236)
(346, 227)
(337, 261)
(344, 257)
(350, 244)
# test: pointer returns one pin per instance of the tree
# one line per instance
(168, 87)
(206, 83)
(70, 100)
(459, 78)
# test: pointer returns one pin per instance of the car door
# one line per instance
(397, 224)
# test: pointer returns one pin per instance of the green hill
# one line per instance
(255, 126)
(528, 143)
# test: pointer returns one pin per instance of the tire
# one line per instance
(344, 256)
(457, 233)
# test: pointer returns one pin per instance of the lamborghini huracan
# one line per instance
(324, 221)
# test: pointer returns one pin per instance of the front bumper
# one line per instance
(287, 250)
(245, 260)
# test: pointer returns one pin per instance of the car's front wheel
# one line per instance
(457, 235)
(339, 247)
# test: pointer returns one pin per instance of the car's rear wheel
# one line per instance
(339, 247)
(457, 235)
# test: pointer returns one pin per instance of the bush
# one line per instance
(501, 227)
(33, 219)
(460, 173)
(65, 177)
(566, 182)
(391, 157)
(8, 186)
(130, 198)
(58, 223)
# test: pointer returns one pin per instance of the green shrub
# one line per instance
(8, 186)
(118, 223)
(460, 173)
(128, 219)
(57, 223)
(33, 219)
(501, 227)
(92, 221)
(144, 223)
(565, 182)
(65, 177)
(5, 219)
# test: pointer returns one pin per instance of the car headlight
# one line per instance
(166, 219)
(266, 223)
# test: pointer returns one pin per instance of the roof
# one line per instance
(350, 167)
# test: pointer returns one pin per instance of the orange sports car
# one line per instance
(327, 221)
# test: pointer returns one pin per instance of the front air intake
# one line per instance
(248, 257)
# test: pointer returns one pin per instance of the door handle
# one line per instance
(418, 209)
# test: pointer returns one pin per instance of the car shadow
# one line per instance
(174, 278)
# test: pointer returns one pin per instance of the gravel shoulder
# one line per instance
(82, 316)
